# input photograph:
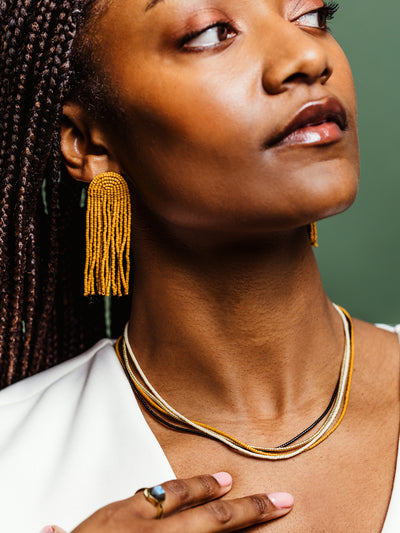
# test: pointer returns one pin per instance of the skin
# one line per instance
(228, 299)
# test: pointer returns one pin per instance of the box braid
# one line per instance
(44, 318)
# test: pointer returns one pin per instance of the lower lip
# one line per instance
(326, 133)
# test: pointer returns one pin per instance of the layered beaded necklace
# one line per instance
(171, 418)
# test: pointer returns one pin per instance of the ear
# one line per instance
(84, 147)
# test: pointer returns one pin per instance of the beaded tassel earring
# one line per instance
(313, 235)
(108, 236)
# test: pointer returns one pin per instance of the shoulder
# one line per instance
(382, 336)
(377, 343)
(49, 411)
(73, 439)
(58, 380)
(377, 361)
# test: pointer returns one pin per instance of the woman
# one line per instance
(234, 124)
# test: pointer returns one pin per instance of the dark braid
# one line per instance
(44, 318)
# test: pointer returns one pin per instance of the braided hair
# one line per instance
(44, 319)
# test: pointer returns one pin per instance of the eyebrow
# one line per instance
(152, 3)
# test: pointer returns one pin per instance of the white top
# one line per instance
(60, 461)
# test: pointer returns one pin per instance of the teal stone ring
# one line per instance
(156, 496)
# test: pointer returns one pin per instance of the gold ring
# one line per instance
(156, 496)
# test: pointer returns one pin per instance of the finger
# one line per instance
(231, 515)
(183, 493)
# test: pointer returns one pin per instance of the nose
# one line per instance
(294, 56)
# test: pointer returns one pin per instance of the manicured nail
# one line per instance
(47, 529)
(281, 500)
(224, 479)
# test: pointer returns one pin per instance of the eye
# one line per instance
(209, 37)
(312, 20)
(319, 17)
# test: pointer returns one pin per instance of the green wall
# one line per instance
(359, 251)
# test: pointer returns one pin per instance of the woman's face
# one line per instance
(208, 88)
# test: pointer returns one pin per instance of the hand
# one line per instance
(190, 505)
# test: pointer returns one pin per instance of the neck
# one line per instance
(243, 328)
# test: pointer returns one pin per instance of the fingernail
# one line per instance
(281, 500)
(47, 529)
(224, 479)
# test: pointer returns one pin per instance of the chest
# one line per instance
(342, 485)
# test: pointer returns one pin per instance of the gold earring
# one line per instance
(313, 234)
(108, 236)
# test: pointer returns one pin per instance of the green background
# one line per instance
(359, 251)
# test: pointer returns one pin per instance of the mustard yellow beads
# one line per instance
(108, 236)
(313, 234)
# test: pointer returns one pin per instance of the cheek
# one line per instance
(205, 111)
(187, 143)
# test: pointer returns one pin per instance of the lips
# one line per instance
(320, 122)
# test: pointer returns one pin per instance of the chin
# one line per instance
(329, 189)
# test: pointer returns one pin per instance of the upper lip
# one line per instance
(313, 114)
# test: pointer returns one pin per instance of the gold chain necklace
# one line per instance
(163, 412)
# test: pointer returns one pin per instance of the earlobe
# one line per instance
(83, 145)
